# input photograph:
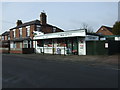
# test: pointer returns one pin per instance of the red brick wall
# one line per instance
(4, 51)
(104, 31)
(11, 35)
(17, 33)
(32, 28)
(24, 32)
(15, 51)
(49, 29)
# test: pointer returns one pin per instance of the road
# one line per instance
(21, 72)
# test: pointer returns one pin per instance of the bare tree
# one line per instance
(87, 27)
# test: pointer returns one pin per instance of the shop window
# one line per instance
(39, 43)
(48, 43)
(61, 43)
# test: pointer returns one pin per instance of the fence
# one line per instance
(102, 47)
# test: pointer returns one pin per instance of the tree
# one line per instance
(116, 28)
(87, 27)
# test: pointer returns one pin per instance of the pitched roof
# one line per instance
(37, 22)
(6, 33)
(108, 28)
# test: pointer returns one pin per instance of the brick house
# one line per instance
(5, 42)
(21, 36)
(104, 30)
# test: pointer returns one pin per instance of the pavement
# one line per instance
(56, 71)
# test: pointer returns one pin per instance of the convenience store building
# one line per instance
(65, 43)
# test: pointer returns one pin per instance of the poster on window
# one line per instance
(106, 45)
(81, 46)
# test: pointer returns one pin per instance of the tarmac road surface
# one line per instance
(21, 72)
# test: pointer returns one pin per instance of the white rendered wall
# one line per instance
(117, 38)
(81, 47)
(48, 50)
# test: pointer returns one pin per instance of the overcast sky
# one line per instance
(65, 15)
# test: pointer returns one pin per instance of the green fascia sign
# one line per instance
(111, 36)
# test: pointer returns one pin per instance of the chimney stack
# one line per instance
(19, 22)
(43, 17)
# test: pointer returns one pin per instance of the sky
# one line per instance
(65, 15)
(119, 11)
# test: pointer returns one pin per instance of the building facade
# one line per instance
(21, 36)
(39, 37)
(5, 42)
(106, 34)
(104, 30)
(66, 43)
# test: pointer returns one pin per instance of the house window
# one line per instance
(38, 28)
(28, 31)
(11, 44)
(3, 37)
(14, 45)
(54, 29)
(14, 34)
(25, 43)
(20, 29)
(8, 37)
(60, 43)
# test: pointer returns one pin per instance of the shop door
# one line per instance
(74, 48)
(69, 46)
